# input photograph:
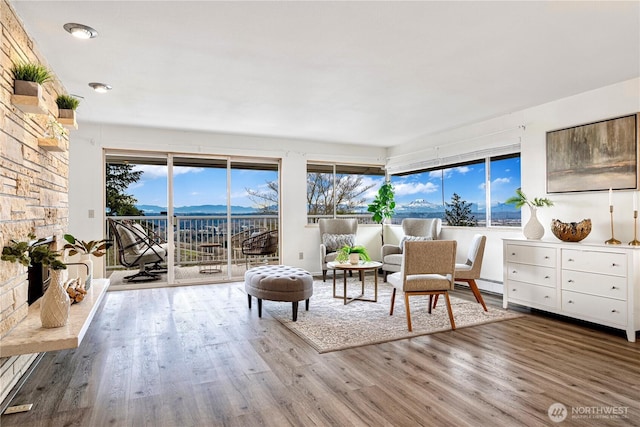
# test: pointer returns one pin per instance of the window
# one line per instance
(341, 190)
(429, 193)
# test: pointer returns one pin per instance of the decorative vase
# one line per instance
(55, 303)
(354, 259)
(533, 230)
(86, 274)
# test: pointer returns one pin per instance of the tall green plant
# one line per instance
(383, 206)
(31, 72)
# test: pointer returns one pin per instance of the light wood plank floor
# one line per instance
(197, 356)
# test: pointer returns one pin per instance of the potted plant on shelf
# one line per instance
(383, 206)
(54, 138)
(67, 105)
(27, 86)
(353, 254)
(532, 230)
(97, 248)
(55, 303)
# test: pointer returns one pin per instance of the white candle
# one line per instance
(635, 201)
(610, 197)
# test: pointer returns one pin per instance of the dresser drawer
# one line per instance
(595, 284)
(544, 276)
(595, 261)
(536, 255)
(527, 294)
(611, 311)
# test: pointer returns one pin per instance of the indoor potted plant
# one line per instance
(352, 254)
(67, 105)
(383, 206)
(55, 303)
(532, 230)
(54, 138)
(85, 249)
(27, 86)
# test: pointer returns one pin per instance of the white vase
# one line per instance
(533, 230)
(354, 259)
(86, 274)
(55, 303)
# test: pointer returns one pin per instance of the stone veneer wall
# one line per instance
(33, 183)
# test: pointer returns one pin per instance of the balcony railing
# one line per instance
(192, 232)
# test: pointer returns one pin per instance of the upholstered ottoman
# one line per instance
(279, 283)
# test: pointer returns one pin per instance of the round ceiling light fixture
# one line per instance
(80, 31)
(100, 87)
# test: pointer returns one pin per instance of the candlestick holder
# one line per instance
(612, 240)
(635, 241)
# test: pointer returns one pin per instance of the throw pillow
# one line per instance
(412, 239)
(333, 242)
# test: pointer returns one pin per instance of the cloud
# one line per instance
(408, 188)
(500, 181)
(160, 171)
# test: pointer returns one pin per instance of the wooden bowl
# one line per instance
(571, 231)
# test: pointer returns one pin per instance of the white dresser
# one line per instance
(594, 282)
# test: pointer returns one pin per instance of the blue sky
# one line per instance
(195, 186)
(207, 186)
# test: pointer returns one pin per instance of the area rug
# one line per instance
(329, 325)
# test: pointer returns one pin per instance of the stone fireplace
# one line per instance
(34, 185)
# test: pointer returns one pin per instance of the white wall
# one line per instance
(86, 170)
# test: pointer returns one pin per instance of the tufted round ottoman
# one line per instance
(279, 283)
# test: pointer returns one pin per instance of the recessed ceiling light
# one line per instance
(80, 31)
(100, 87)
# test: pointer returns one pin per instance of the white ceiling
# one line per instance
(377, 73)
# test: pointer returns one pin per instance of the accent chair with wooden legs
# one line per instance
(428, 268)
(469, 271)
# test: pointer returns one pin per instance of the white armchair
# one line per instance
(334, 234)
(414, 229)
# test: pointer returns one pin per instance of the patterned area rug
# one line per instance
(329, 325)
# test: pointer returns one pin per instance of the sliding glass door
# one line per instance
(209, 213)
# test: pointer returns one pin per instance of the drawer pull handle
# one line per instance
(513, 290)
(613, 264)
(513, 254)
(570, 260)
(546, 277)
(614, 287)
(515, 271)
(614, 311)
(570, 302)
(570, 280)
(546, 257)
(546, 296)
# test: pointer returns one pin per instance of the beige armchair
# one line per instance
(469, 271)
(427, 269)
(334, 234)
(414, 229)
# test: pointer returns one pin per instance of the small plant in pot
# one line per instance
(54, 304)
(28, 78)
(67, 105)
(533, 229)
(97, 248)
(352, 254)
(32, 252)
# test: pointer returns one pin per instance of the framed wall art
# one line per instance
(594, 156)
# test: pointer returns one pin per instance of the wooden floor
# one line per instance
(196, 356)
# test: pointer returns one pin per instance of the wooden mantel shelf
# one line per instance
(30, 337)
